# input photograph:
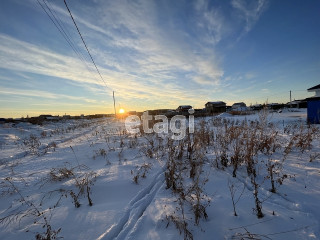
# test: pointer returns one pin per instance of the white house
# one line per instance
(315, 89)
(240, 106)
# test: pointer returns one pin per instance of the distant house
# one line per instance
(256, 107)
(275, 106)
(202, 112)
(215, 107)
(297, 104)
(240, 106)
(183, 108)
(314, 105)
(45, 116)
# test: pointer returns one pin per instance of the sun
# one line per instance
(121, 110)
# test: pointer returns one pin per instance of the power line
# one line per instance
(67, 36)
(63, 32)
(85, 44)
(60, 30)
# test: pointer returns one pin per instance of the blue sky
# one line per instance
(156, 54)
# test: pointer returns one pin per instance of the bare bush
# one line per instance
(181, 224)
(248, 235)
(140, 172)
(60, 174)
(233, 188)
(102, 153)
(83, 180)
(258, 203)
(185, 162)
(32, 143)
(28, 209)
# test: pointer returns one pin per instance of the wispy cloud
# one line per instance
(156, 50)
(158, 59)
(250, 75)
(250, 12)
(41, 94)
(211, 21)
(21, 56)
(147, 51)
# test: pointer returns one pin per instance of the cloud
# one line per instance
(155, 50)
(250, 75)
(41, 94)
(141, 49)
(22, 56)
(250, 11)
(25, 57)
(132, 51)
(202, 80)
(211, 20)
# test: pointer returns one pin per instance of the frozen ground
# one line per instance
(99, 152)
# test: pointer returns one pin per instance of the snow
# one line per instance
(123, 209)
(225, 114)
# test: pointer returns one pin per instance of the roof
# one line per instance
(218, 102)
(313, 99)
(239, 103)
(185, 106)
(314, 88)
(297, 101)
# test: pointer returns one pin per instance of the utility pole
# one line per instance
(114, 105)
(290, 96)
(290, 100)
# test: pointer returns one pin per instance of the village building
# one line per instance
(215, 107)
(313, 115)
(183, 108)
(240, 106)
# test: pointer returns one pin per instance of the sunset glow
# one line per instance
(155, 54)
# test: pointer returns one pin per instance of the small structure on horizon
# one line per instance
(183, 108)
(275, 106)
(240, 106)
(215, 107)
(297, 104)
(313, 116)
(256, 107)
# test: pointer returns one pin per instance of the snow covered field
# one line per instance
(149, 187)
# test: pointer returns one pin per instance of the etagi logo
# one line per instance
(177, 124)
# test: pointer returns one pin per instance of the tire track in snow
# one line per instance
(76, 136)
(135, 210)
